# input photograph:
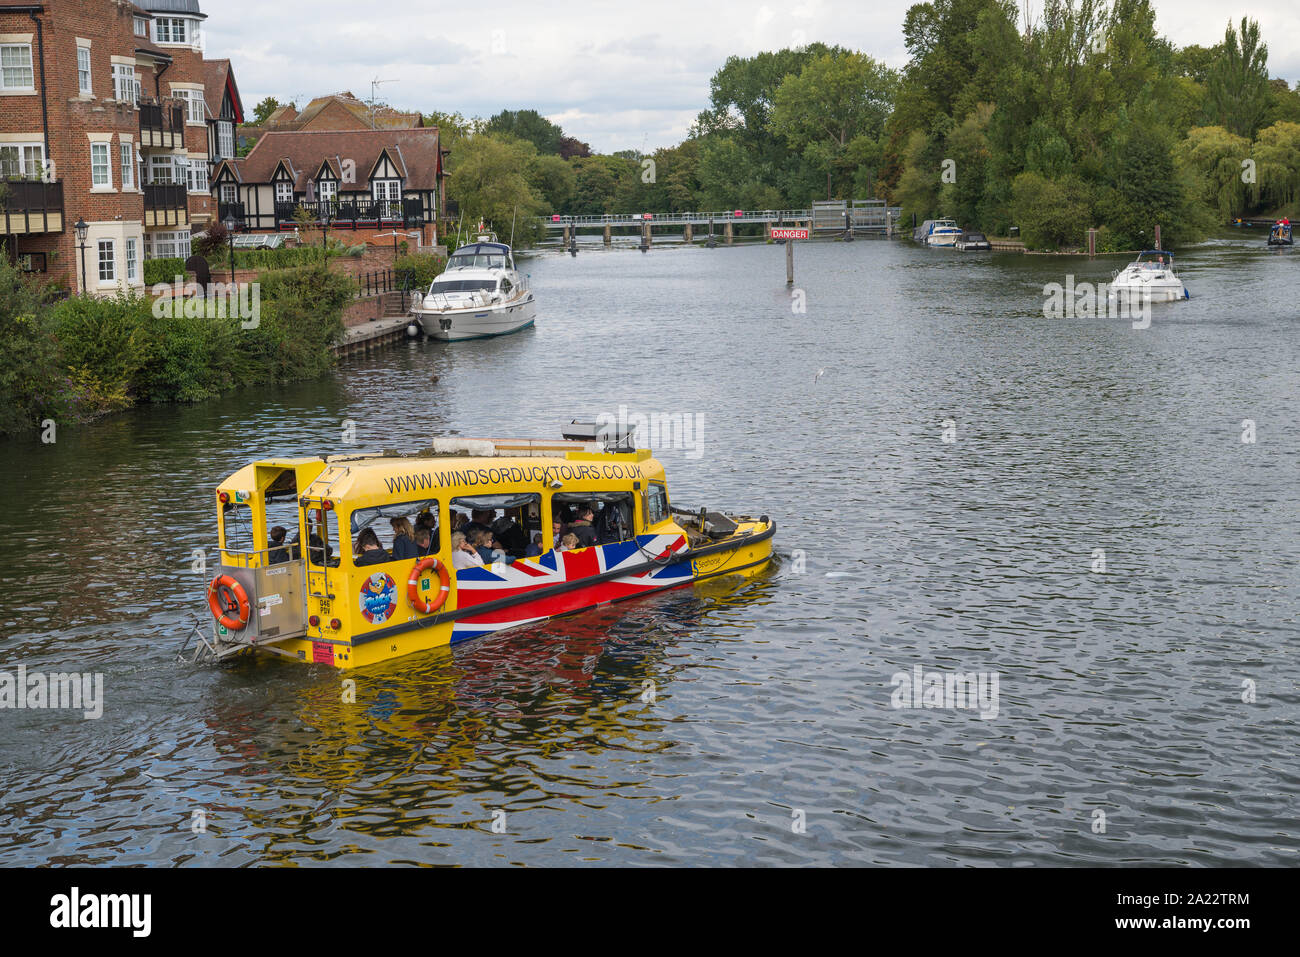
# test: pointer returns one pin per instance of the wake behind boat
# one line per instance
(479, 294)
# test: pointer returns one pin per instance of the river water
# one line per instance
(943, 463)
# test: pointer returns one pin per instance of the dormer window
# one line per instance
(141, 27)
(171, 30)
(327, 189)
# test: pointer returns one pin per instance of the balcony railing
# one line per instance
(236, 210)
(349, 214)
(30, 206)
(162, 126)
(165, 204)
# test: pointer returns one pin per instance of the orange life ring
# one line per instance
(413, 586)
(224, 596)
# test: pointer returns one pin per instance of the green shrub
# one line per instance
(29, 381)
(105, 342)
(421, 268)
(163, 270)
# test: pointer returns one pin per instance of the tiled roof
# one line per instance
(216, 73)
(415, 151)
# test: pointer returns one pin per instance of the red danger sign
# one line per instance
(779, 233)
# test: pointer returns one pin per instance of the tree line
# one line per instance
(1083, 116)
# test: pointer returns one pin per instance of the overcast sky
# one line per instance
(619, 75)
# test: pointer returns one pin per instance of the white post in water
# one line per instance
(789, 235)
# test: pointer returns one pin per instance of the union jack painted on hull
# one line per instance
(479, 585)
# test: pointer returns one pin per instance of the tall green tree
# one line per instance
(1236, 87)
(528, 125)
(835, 100)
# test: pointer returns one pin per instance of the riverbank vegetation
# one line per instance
(1083, 117)
(80, 358)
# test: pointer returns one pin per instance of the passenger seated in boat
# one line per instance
(582, 527)
(279, 552)
(535, 548)
(368, 550)
(510, 535)
(481, 521)
(403, 539)
(568, 543)
(557, 532)
(424, 543)
(463, 554)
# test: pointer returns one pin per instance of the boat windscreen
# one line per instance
(479, 261)
(464, 285)
(579, 498)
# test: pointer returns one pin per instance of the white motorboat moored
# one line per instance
(944, 232)
(1149, 278)
(479, 294)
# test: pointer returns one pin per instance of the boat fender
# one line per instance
(413, 586)
(225, 595)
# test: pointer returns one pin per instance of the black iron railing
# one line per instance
(226, 210)
(165, 196)
(348, 214)
(39, 204)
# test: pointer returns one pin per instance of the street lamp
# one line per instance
(82, 229)
(230, 223)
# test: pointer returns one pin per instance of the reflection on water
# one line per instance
(690, 727)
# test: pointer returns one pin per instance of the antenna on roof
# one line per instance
(373, 95)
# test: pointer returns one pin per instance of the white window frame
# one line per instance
(85, 85)
(195, 108)
(198, 178)
(26, 169)
(6, 70)
(225, 140)
(106, 164)
(168, 34)
(110, 262)
(228, 194)
(380, 190)
(126, 85)
(333, 189)
(168, 244)
(126, 153)
(165, 170)
(132, 259)
(140, 27)
(283, 191)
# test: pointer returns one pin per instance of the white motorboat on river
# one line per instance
(1149, 278)
(479, 294)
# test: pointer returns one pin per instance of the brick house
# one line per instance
(364, 181)
(106, 119)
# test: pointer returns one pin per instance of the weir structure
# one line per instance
(825, 219)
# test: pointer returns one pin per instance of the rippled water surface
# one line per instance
(1120, 692)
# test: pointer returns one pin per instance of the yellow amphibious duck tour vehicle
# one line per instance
(328, 592)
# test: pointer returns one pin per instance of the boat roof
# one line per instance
(457, 467)
(1156, 252)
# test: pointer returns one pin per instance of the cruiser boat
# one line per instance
(1149, 278)
(479, 294)
(973, 242)
(1280, 234)
(336, 592)
(944, 232)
